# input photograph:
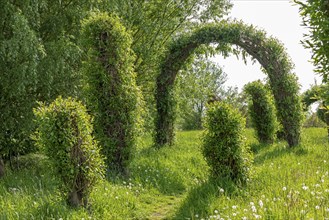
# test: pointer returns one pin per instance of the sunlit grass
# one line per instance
(173, 183)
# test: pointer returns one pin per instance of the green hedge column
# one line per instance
(111, 92)
(223, 144)
(65, 134)
(262, 112)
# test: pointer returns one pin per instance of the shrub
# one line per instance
(65, 134)
(262, 112)
(112, 93)
(223, 143)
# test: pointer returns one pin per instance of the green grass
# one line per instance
(173, 183)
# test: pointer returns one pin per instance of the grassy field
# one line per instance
(172, 183)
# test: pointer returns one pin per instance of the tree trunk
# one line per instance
(76, 199)
(2, 168)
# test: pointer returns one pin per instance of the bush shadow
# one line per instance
(257, 147)
(150, 171)
(200, 198)
(278, 151)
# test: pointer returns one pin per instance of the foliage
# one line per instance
(58, 26)
(153, 24)
(267, 51)
(317, 93)
(111, 87)
(262, 111)
(315, 120)
(223, 144)
(315, 14)
(39, 60)
(65, 134)
(20, 51)
(194, 86)
(311, 96)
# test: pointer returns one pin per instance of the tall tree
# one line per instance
(20, 51)
(59, 28)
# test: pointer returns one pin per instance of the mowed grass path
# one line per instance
(173, 183)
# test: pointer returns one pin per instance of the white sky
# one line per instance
(279, 18)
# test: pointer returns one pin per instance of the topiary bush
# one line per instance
(65, 134)
(223, 143)
(112, 93)
(262, 112)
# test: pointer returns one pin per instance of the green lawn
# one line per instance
(172, 183)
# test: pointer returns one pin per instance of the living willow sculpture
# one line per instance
(269, 52)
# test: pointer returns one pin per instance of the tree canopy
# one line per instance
(315, 14)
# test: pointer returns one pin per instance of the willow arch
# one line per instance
(269, 52)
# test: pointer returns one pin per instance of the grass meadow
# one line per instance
(173, 183)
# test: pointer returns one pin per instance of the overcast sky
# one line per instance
(279, 18)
